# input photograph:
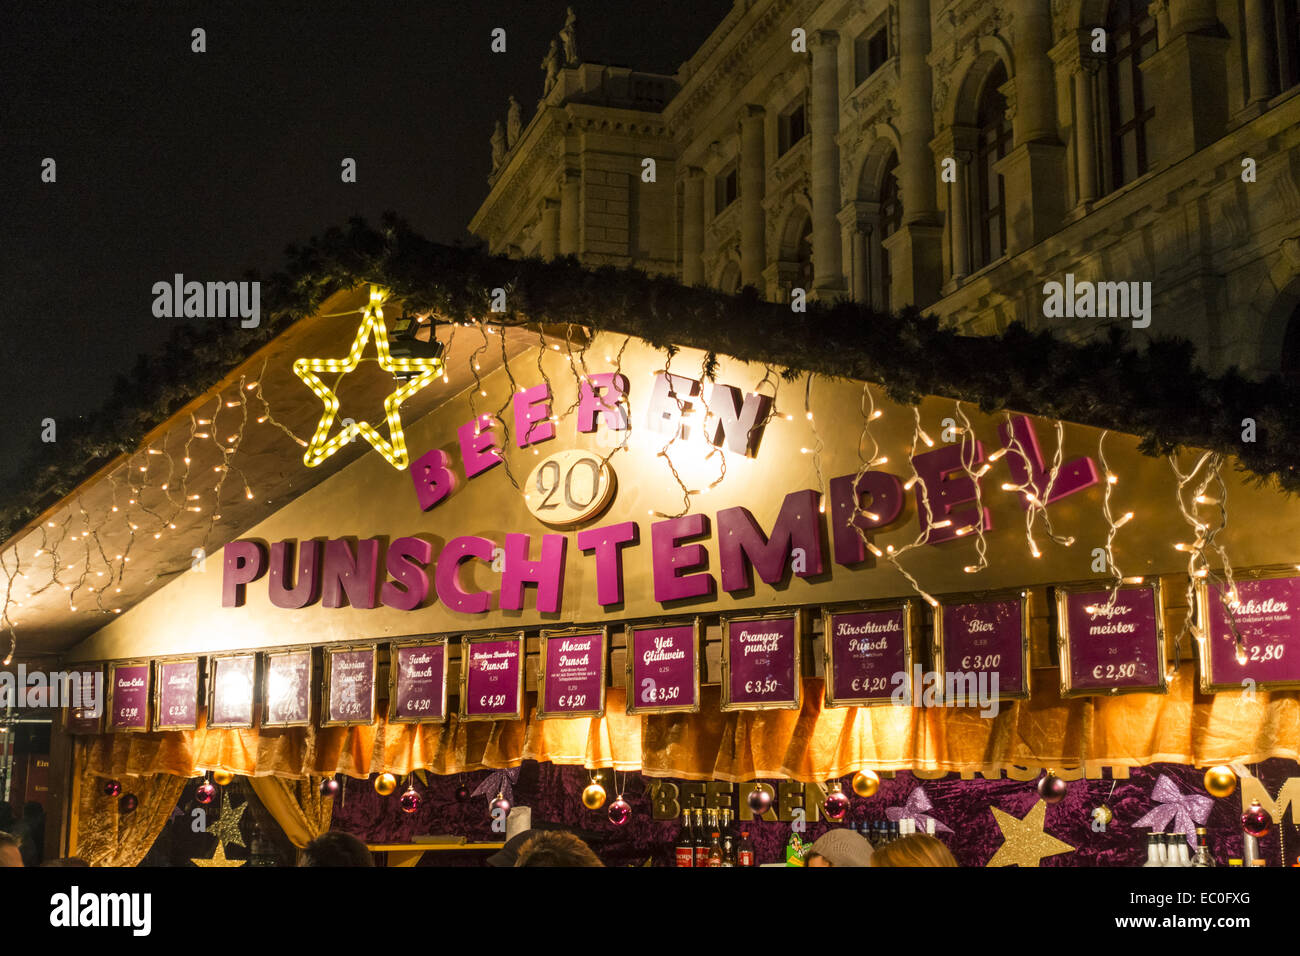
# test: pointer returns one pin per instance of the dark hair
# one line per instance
(337, 848)
(915, 849)
(8, 839)
(556, 848)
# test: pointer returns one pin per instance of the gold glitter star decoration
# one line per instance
(1025, 843)
(393, 448)
(226, 829)
(218, 858)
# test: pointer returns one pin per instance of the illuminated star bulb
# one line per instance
(874, 550)
(945, 523)
(809, 415)
(997, 454)
(1008, 486)
(1241, 654)
(907, 485)
(1112, 478)
(1033, 549)
(882, 460)
(874, 415)
(970, 569)
(1124, 519)
(929, 442)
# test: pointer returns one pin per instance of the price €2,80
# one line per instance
(1115, 671)
(1259, 653)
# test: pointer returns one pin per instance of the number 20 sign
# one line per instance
(568, 487)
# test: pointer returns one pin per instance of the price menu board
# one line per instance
(86, 703)
(492, 677)
(176, 694)
(982, 648)
(232, 691)
(869, 654)
(348, 696)
(287, 686)
(663, 668)
(760, 662)
(571, 673)
(1111, 647)
(1267, 616)
(128, 696)
(417, 682)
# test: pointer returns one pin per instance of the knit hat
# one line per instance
(843, 847)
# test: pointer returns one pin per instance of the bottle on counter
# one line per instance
(1203, 857)
(745, 850)
(701, 839)
(715, 850)
(728, 840)
(685, 850)
(1153, 850)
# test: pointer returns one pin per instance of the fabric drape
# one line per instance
(105, 836)
(296, 805)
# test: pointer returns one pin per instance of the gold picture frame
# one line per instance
(214, 663)
(1208, 683)
(268, 669)
(110, 705)
(1060, 599)
(466, 642)
(547, 636)
(327, 662)
(911, 615)
(697, 642)
(986, 597)
(156, 693)
(793, 703)
(393, 675)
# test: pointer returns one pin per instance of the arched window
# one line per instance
(891, 220)
(1132, 33)
(988, 193)
(729, 282)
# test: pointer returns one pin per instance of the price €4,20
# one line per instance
(492, 700)
(571, 701)
(869, 684)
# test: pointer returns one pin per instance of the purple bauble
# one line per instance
(112, 788)
(836, 805)
(205, 792)
(329, 787)
(1255, 821)
(410, 800)
(1052, 788)
(502, 804)
(127, 803)
(619, 812)
(760, 801)
(462, 793)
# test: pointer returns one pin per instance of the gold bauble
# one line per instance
(866, 783)
(222, 778)
(593, 797)
(1102, 814)
(1220, 781)
(385, 784)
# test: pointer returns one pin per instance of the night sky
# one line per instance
(210, 164)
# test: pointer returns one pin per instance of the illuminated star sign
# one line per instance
(394, 449)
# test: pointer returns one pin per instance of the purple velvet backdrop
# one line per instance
(554, 792)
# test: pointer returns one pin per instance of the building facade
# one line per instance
(956, 155)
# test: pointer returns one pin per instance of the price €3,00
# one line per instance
(980, 662)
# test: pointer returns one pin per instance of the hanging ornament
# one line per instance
(112, 788)
(1051, 788)
(462, 793)
(223, 778)
(866, 783)
(205, 793)
(619, 812)
(1255, 821)
(410, 800)
(127, 803)
(385, 784)
(760, 801)
(593, 796)
(837, 803)
(1102, 815)
(329, 787)
(1220, 781)
(502, 804)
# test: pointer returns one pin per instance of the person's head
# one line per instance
(32, 810)
(915, 849)
(6, 815)
(556, 848)
(336, 848)
(840, 847)
(10, 854)
(508, 855)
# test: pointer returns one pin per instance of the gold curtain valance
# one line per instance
(812, 744)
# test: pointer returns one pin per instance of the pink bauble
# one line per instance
(410, 800)
(329, 787)
(502, 804)
(112, 788)
(1255, 821)
(127, 803)
(205, 792)
(836, 805)
(462, 793)
(619, 812)
(760, 801)
(1051, 788)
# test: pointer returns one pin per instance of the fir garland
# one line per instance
(1156, 393)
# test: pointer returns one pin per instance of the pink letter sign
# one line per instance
(232, 690)
(417, 682)
(176, 695)
(288, 689)
(1111, 650)
(983, 650)
(663, 669)
(760, 662)
(1268, 619)
(492, 677)
(866, 651)
(571, 674)
(128, 697)
(349, 686)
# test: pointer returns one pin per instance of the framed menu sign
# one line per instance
(1267, 617)
(1111, 648)
(981, 646)
(348, 693)
(663, 668)
(128, 696)
(86, 706)
(571, 674)
(760, 662)
(287, 689)
(865, 648)
(417, 682)
(232, 689)
(176, 694)
(492, 677)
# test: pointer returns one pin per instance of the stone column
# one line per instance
(693, 227)
(825, 172)
(1187, 81)
(859, 222)
(1035, 89)
(1259, 48)
(550, 244)
(959, 211)
(1074, 58)
(752, 255)
(570, 209)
